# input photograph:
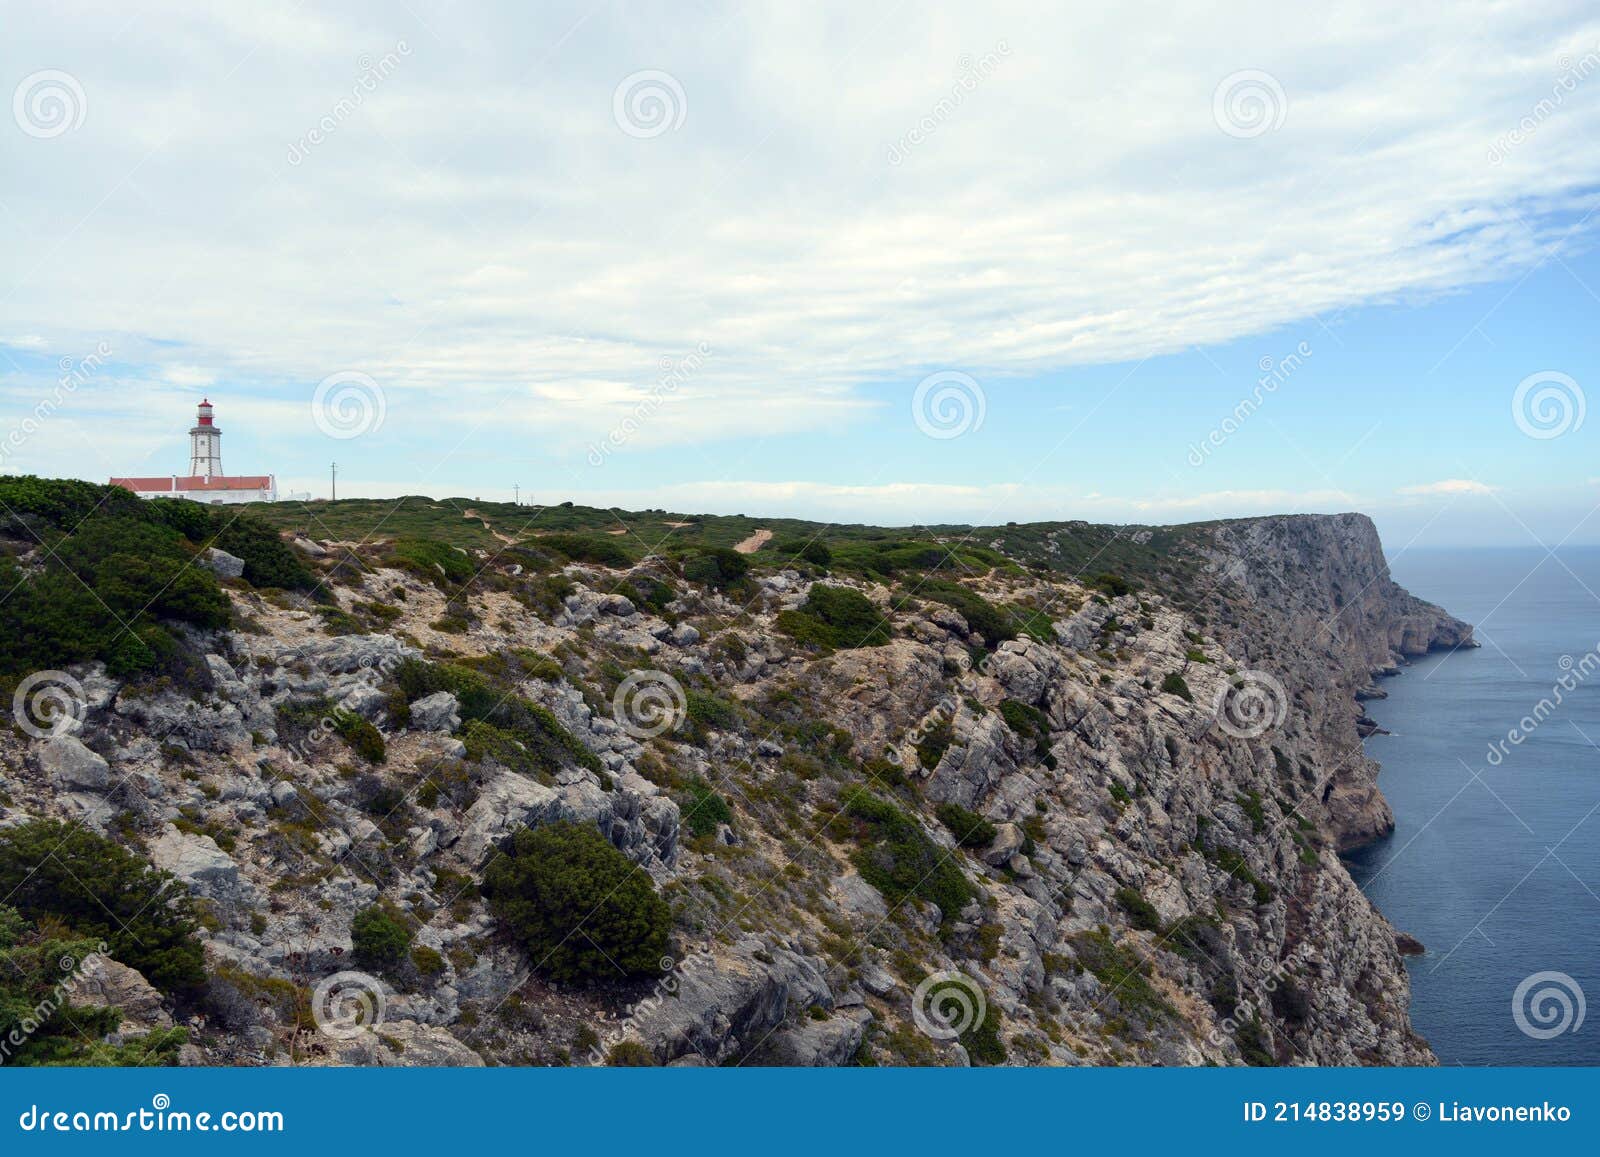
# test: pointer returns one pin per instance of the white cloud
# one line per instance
(1448, 487)
(481, 237)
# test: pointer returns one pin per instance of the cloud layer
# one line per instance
(472, 208)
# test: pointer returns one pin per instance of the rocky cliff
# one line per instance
(1103, 828)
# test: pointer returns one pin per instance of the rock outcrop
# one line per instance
(1113, 835)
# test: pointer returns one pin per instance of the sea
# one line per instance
(1493, 772)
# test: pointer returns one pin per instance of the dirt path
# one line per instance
(486, 526)
(755, 542)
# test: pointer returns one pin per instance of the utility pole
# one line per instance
(516, 495)
(333, 481)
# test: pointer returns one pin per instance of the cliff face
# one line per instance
(1165, 792)
(1311, 596)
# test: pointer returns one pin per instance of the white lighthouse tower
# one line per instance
(205, 446)
(205, 481)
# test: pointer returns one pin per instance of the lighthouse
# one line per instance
(205, 481)
(205, 445)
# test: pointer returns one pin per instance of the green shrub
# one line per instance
(380, 936)
(1253, 1044)
(364, 739)
(717, 568)
(1175, 684)
(935, 742)
(798, 550)
(1124, 975)
(40, 1026)
(113, 568)
(437, 562)
(1232, 861)
(836, 618)
(1141, 913)
(1250, 803)
(539, 740)
(1028, 722)
(703, 809)
(51, 870)
(982, 616)
(705, 713)
(63, 503)
(630, 1054)
(897, 857)
(587, 548)
(1111, 584)
(427, 960)
(969, 828)
(577, 905)
(268, 560)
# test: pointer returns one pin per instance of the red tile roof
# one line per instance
(226, 482)
(167, 484)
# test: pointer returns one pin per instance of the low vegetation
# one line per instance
(553, 880)
(51, 871)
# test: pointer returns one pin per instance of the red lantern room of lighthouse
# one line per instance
(205, 445)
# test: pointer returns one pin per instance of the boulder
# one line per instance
(197, 861)
(619, 605)
(364, 700)
(437, 712)
(72, 766)
(861, 898)
(1008, 841)
(728, 1001)
(400, 1044)
(817, 1043)
(506, 803)
(346, 653)
(101, 982)
(224, 564)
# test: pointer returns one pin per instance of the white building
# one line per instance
(205, 481)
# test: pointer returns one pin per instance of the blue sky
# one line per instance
(480, 241)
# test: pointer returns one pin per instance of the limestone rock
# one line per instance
(101, 982)
(1008, 842)
(437, 712)
(70, 765)
(199, 864)
(399, 1044)
(224, 564)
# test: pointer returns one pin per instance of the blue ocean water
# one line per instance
(1495, 860)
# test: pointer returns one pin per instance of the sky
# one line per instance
(866, 263)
